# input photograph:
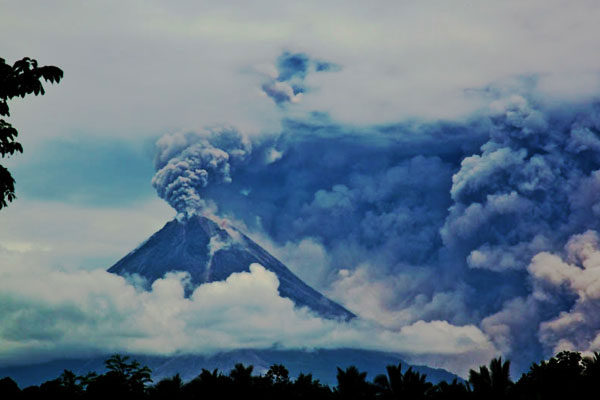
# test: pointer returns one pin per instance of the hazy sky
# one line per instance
(430, 165)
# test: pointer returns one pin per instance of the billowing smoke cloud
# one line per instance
(532, 187)
(186, 163)
(73, 313)
(577, 328)
(427, 220)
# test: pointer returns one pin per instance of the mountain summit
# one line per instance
(209, 252)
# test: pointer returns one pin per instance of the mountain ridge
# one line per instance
(322, 363)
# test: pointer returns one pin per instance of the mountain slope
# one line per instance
(210, 253)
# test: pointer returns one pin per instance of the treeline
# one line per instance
(563, 376)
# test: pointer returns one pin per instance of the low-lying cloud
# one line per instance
(72, 313)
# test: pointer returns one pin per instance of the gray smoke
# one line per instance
(531, 189)
(526, 190)
(187, 163)
(440, 219)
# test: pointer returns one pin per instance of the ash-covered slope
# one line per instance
(210, 253)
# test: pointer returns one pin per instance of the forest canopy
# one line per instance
(561, 376)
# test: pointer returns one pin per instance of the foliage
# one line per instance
(278, 374)
(562, 376)
(493, 383)
(352, 384)
(24, 77)
(8, 388)
(410, 385)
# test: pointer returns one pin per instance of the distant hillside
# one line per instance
(321, 363)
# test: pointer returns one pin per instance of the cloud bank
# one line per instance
(74, 313)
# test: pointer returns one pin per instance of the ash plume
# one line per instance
(442, 219)
(187, 163)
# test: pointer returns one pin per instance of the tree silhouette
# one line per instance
(71, 385)
(241, 375)
(415, 384)
(559, 377)
(22, 78)
(591, 368)
(209, 384)
(241, 379)
(9, 388)
(278, 374)
(492, 383)
(167, 388)
(449, 391)
(390, 386)
(353, 384)
(122, 379)
(411, 385)
(305, 387)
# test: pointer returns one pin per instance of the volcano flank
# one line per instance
(209, 252)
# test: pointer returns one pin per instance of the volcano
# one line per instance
(210, 252)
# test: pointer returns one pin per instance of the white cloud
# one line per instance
(69, 236)
(70, 313)
(189, 65)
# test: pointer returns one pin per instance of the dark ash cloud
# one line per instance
(437, 210)
(292, 68)
(186, 163)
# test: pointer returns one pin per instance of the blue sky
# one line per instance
(88, 171)
(430, 165)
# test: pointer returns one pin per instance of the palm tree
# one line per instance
(492, 383)
(415, 384)
(207, 385)
(411, 385)
(305, 387)
(454, 390)
(390, 386)
(353, 384)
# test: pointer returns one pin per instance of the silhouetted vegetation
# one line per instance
(563, 376)
(18, 80)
